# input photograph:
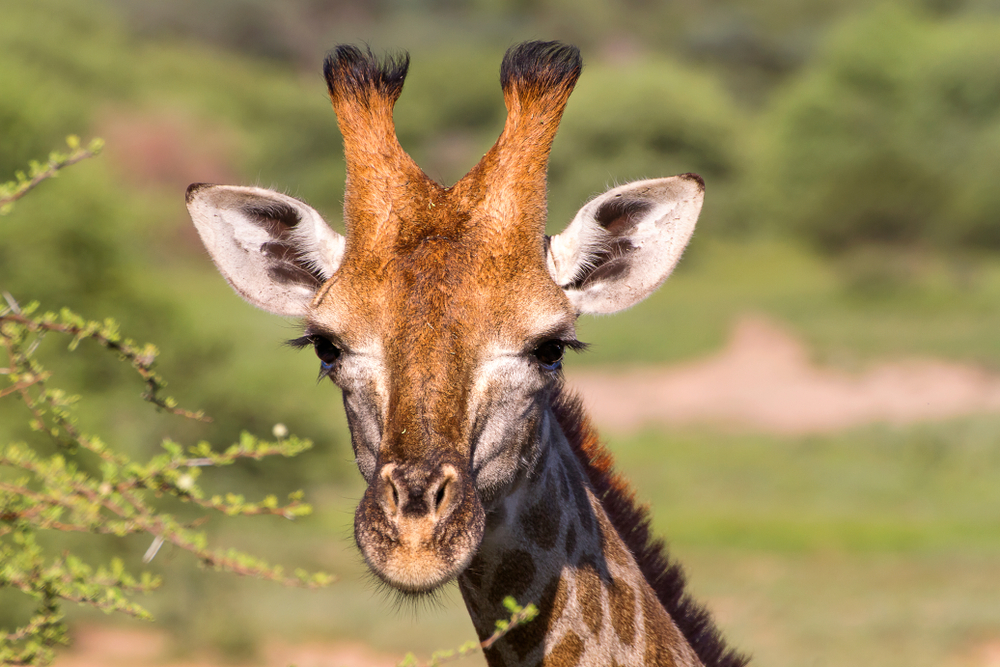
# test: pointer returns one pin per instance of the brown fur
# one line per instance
(567, 652)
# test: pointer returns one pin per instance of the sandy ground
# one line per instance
(101, 646)
(763, 380)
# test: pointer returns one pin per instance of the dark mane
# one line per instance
(632, 520)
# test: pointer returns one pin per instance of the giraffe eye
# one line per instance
(327, 352)
(550, 354)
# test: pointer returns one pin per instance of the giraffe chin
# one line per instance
(418, 572)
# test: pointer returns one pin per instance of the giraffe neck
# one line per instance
(551, 542)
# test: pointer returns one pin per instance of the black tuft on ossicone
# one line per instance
(540, 66)
(349, 71)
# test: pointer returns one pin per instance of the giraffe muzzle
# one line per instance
(418, 526)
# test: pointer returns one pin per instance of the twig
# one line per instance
(141, 360)
(12, 191)
(518, 616)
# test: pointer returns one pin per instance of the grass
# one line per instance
(923, 488)
(878, 546)
(832, 608)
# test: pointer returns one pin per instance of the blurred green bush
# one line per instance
(646, 120)
(889, 136)
(114, 240)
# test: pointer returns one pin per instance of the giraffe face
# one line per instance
(445, 363)
(443, 313)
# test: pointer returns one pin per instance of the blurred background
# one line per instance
(851, 151)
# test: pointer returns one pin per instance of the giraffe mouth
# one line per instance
(414, 565)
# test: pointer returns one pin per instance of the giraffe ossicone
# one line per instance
(442, 315)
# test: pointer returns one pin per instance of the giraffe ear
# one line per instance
(623, 244)
(273, 249)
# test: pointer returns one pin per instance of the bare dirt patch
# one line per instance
(986, 654)
(764, 380)
(102, 646)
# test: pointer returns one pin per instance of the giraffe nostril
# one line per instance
(439, 496)
(445, 491)
(390, 497)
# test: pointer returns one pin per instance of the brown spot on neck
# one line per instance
(622, 606)
(567, 652)
(588, 596)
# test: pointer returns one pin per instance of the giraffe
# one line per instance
(443, 315)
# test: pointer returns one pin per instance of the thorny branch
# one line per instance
(57, 492)
(104, 334)
(12, 191)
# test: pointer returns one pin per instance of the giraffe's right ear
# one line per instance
(273, 249)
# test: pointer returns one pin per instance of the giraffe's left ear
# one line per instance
(622, 245)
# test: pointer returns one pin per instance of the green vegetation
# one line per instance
(51, 483)
(949, 308)
(920, 489)
(38, 172)
(850, 152)
(877, 546)
(890, 137)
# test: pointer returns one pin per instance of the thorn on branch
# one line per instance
(12, 303)
(153, 549)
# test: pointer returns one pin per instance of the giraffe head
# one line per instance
(444, 312)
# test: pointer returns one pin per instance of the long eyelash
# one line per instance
(575, 345)
(299, 343)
